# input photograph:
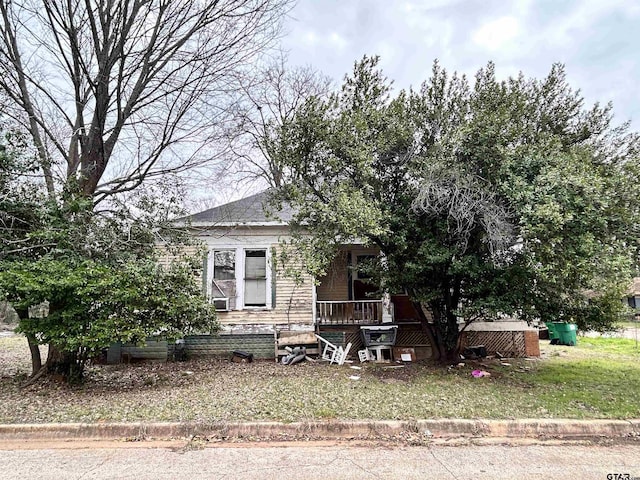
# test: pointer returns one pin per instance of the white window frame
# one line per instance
(267, 290)
(211, 278)
(211, 254)
(240, 267)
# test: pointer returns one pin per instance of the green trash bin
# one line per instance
(567, 333)
(553, 333)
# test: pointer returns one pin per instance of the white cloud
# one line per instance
(594, 38)
(337, 40)
(495, 34)
(310, 38)
(410, 7)
(386, 50)
(522, 8)
(581, 18)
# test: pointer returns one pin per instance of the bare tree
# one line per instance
(262, 116)
(116, 93)
(468, 205)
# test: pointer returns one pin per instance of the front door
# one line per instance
(361, 286)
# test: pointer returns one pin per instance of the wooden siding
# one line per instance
(293, 302)
(335, 285)
(166, 257)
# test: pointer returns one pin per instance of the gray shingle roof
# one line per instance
(248, 210)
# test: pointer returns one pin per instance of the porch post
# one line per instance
(387, 313)
(314, 303)
(387, 306)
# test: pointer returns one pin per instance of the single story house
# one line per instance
(258, 299)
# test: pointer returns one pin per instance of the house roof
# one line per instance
(253, 210)
(634, 287)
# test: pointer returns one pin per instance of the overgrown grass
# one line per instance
(590, 387)
(599, 378)
(599, 346)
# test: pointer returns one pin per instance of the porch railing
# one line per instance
(352, 312)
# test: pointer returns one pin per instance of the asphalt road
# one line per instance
(315, 461)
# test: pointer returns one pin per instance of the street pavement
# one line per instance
(189, 460)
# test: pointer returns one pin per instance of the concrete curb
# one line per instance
(332, 430)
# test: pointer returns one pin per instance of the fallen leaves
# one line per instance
(217, 390)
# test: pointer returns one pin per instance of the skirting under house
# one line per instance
(509, 339)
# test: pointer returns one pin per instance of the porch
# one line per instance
(347, 299)
(346, 295)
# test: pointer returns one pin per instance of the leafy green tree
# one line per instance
(501, 198)
(99, 273)
(92, 304)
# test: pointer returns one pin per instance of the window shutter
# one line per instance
(205, 272)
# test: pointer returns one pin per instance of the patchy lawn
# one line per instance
(599, 378)
(611, 347)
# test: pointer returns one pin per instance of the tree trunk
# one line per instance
(446, 333)
(427, 328)
(60, 363)
(93, 165)
(65, 364)
(34, 349)
(444, 341)
(36, 359)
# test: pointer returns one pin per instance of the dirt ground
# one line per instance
(7, 329)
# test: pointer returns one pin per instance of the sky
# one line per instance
(597, 40)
